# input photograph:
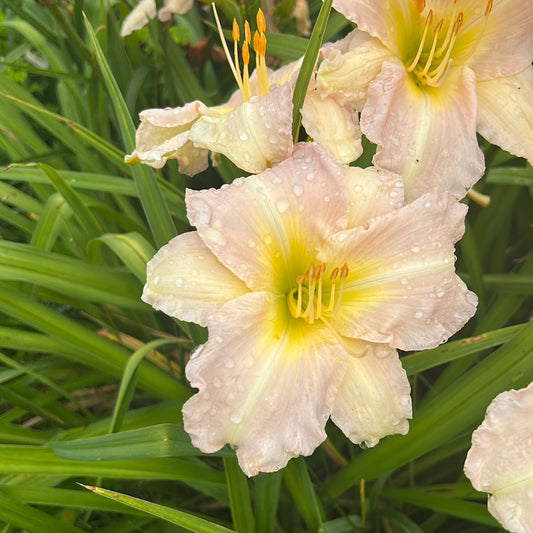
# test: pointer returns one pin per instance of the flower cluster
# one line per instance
(309, 273)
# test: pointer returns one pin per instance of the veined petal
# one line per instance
(373, 400)
(392, 24)
(506, 43)
(255, 135)
(266, 228)
(428, 136)
(333, 126)
(402, 288)
(266, 383)
(372, 192)
(505, 112)
(185, 280)
(500, 460)
(164, 134)
(348, 67)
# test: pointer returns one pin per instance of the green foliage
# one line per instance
(91, 378)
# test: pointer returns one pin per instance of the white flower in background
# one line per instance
(500, 460)
(146, 10)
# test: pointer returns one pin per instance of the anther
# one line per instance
(261, 22)
(419, 5)
(429, 20)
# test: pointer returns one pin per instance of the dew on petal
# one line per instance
(202, 212)
(217, 383)
(298, 190)
(237, 416)
(419, 314)
(229, 363)
(282, 205)
(243, 136)
(415, 249)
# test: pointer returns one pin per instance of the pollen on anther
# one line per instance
(235, 34)
(261, 22)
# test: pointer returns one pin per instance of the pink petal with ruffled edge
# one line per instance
(185, 280)
(500, 460)
(505, 113)
(164, 134)
(372, 192)
(266, 384)
(426, 136)
(267, 228)
(373, 400)
(255, 135)
(402, 288)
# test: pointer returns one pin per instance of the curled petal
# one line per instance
(267, 228)
(164, 134)
(185, 280)
(505, 113)
(138, 17)
(500, 460)
(180, 7)
(255, 135)
(427, 137)
(334, 127)
(266, 386)
(402, 288)
(373, 400)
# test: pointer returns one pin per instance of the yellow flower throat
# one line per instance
(433, 57)
(308, 299)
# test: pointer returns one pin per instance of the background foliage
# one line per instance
(91, 378)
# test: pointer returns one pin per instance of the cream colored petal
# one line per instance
(402, 288)
(267, 384)
(267, 228)
(426, 136)
(372, 192)
(180, 7)
(373, 400)
(185, 280)
(164, 134)
(505, 112)
(504, 42)
(255, 135)
(500, 460)
(348, 66)
(138, 17)
(334, 127)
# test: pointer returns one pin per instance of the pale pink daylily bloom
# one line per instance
(146, 10)
(500, 460)
(308, 276)
(429, 74)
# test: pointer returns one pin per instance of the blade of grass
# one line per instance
(239, 496)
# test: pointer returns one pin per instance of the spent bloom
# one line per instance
(146, 10)
(500, 460)
(254, 127)
(427, 74)
(308, 276)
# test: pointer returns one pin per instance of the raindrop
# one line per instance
(248, 362)
(415, 249)
(282, 205)
(243, 136)
(251, 243)
(229, 363)
(237, 416)
(202, 212)
(217, 382)
(298, 190)
(179, 282)
(403, 281)
(418, 314)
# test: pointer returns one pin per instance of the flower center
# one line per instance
(433, 57)
(259, 45)
(309, 299)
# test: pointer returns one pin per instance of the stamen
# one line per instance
(419, 5)
(236, 38)
(332, 278)
(343, 275)
(444, 44)
(225, 47)
(433, 46)
(261, 22)
(486, 13)
(246, 89)
(309, 311)
(436, 75)
(429, 20)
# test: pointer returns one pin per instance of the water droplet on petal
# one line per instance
(298, 190)
(282, 205)
(229, 363)
(179, 282)
(403, 281)
(217, 382)
(202, 212)
(248, 362)
(415, 249)
(243, 136)
(237, 416)
(419, 314)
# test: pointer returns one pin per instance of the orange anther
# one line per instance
(261, 22)
(247, 35)
(235, 31)
(420, 5)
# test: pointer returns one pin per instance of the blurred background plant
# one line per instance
(91, 378)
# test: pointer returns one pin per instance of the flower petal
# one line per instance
(334, 127)
(164, 134)
(505, 113)
(426, 136)
(372, 192)
(267, 228)
(266, 382)
(373, 400)
(180, 7)
(402, 288)
(185, 280)
(500, 460)
(348, 67)
(138, 17)
(255, 135)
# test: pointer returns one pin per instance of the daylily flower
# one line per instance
(500, 460)
(433, 73)
(146, 10)
(254, 128)
(308, 277)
